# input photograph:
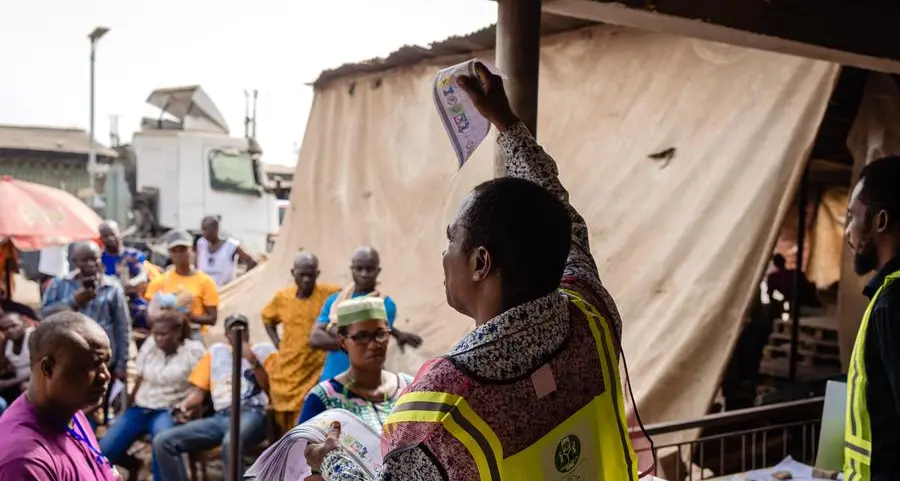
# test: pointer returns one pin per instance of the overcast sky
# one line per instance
(227, 46)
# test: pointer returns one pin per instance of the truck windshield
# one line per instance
(233, 172)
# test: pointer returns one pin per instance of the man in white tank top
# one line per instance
(16, 356)
(219, 257)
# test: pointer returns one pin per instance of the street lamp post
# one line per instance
(94, 37)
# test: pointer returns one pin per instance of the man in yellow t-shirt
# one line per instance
(195, 290)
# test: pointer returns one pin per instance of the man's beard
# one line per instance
(865, 260)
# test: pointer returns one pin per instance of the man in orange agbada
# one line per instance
(295, 369)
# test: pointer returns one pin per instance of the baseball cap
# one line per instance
(179, 238)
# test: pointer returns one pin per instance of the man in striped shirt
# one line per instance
(100, 297)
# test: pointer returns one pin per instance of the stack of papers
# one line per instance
(285, 460)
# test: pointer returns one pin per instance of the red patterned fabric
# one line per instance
(514, 411)
(37, 216)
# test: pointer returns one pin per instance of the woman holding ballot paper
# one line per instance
(534, 391)
(361, 397)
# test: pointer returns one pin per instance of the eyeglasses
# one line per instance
(366, 337)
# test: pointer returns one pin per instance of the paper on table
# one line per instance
(465, 126)
(798, 470)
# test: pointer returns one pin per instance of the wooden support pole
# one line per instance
(518, 56)
(799, 287)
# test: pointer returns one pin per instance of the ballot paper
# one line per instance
(798, 471)
(465, 126)
(285, 461)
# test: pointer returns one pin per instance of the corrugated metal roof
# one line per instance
(50, 139)
(480, 40)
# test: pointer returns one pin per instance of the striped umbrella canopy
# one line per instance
(35, 216)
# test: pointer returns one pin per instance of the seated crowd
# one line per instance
(328, 350)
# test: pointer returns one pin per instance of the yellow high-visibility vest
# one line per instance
(592, 444)
(857, 427)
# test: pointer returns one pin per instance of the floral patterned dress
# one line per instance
(332, 394)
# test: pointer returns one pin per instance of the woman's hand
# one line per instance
(315, 453)
(181, 414)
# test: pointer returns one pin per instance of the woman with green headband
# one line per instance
(366, 389)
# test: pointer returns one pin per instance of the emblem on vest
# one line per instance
(568, 452)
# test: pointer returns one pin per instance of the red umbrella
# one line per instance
(35, 216)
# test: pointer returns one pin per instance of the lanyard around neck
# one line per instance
(82, 437)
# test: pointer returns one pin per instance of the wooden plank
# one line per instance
(859, 34)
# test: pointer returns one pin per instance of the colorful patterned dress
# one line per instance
(332, 394)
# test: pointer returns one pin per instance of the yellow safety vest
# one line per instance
(592, 444)
(857, 428)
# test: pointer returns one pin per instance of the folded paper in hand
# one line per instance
(285, 460)
(465, 126)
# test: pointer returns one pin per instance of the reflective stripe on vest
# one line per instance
(857, 428)
(581, 447)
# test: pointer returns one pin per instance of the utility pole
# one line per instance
(94, 37)
(114, 140)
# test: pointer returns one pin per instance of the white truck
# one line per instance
(188, 166)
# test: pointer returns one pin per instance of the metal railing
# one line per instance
(738, 441)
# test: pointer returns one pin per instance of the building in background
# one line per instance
(51, 156)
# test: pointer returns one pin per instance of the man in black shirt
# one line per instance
(872, 434)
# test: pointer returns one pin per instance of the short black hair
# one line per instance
(50, 335)
(527, 231)
(176, 319)
(214, 219)
(881, 189)
(779, 261)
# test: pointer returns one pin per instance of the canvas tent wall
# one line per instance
(681, 246)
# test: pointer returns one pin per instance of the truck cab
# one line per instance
(187, 160)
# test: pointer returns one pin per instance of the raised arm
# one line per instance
(60, 295)
(526, 159)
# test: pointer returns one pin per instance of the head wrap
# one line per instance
(361, 309)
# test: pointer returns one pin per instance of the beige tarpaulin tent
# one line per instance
(680, 244)
(825, 237)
